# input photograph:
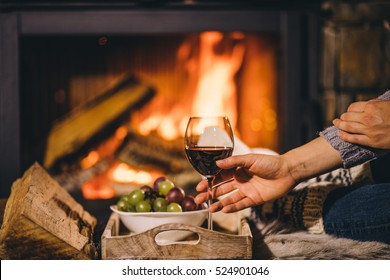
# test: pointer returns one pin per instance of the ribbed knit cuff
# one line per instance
(351, 154)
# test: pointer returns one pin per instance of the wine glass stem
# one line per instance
(210, 198)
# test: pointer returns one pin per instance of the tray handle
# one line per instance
(205, 236)
(184, 230)
(210, 245)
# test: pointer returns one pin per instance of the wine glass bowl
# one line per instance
(208, 139)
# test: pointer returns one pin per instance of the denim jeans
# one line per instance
(360, 213)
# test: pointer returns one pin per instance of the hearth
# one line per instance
(58, 58)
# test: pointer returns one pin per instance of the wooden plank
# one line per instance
(79, 130)
(210, 244)
(42, 221)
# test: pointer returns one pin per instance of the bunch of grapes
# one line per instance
(163, 197)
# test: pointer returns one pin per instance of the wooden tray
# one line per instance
(207, 245)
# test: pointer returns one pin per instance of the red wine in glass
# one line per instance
(203, 158)
(208, 139)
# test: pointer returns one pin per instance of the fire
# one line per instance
(119, 179)
(165, 126)
(212, 73)
(98, 188)
(90, 160)
(216, 89)
(123, 173)
(105, 149)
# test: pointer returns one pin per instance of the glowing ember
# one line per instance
(122, 173)
(118, 180)
(97, 188)
(90, 160)
(105, 149)
(121, 133)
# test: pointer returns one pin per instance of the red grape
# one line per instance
(175, 194)
(202, 206)
(188, 203)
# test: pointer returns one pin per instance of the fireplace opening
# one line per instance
(206, 73)
(209, 73)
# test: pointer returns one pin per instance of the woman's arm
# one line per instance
(312, 159)
(260, 178)
(362, 133)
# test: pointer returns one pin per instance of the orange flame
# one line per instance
(215, 90)
(97, 188)
(119, 179)
(106, 149)
(122, 173)
(100, 187)
(90, 160)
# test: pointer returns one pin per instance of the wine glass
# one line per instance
(208, 139)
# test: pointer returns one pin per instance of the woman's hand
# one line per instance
(366, 123)
(257, 179)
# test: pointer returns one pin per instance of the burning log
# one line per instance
(154, 152)
(83, 148)
(86, 126)
(42, 221)
(151, 154)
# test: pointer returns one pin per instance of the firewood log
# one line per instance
(42, 221)
(84, 127)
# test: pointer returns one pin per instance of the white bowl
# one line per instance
(138, 222)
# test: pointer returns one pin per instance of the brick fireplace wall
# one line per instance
(355, 53)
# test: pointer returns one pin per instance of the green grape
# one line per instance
(136, 196)
(125, 198)
(121, 205)
(130, 208)
(165, 186)
(125, 206)
(174, 207)
(160, 205)
(143, 206)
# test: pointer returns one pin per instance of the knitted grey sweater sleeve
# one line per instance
(352, 154)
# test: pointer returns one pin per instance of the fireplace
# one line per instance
(57, 58)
